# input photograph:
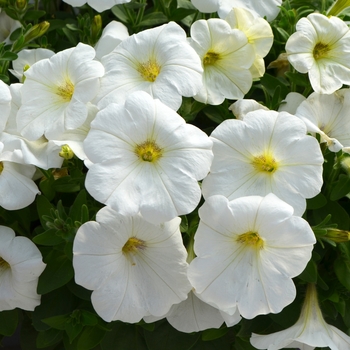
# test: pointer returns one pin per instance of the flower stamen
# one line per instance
(133, 245)
(148, 151)
(149, 70)
(210, 58)
(66, 90)
(265, 163)
(251, 239)
(4, 265)
(320, 50)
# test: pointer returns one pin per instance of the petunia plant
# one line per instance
(175, 174)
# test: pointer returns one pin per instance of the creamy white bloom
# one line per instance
(98, 5)
(56, 92)
(243, 106)
(134, 268)
(328, 116)
(265, 152)
(146, 158)
(159, 61)
(248, 250)
(27, 58)
(258, 32)
(226, 58)
(20, 267)
(206, 6)
(7, 27)
(5, 104)
(291, 103)
(112, 35)
(41, 153)
(321, 48)
(310, 331)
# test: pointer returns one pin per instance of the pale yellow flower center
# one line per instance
(265, 163)
(148, 151)
(321, 50)
(210, 58)
(133, 245)
(251, 239)
(65, 90)
(149, 70)
(1, 167)
(4, 265)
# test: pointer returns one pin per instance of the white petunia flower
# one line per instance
(321, 48)
(27, 58)
(5, 104)
(248, 250)
(328, 116)
(258, 32)
(112, 35)
(41, 153)
(159, 61)
(226, 57)
(7, 27)
(291, 103)
(20, 267)
(98, 5)
(243, 106)
(310, 331)
(146, 158)
(206, 6)
(56, 92)
(134, 268)
(265, 152)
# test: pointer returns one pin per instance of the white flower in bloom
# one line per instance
(321, 48)
(243, 106)
(265, 152)
(5, 104)
(98, 5)
(41, 153)
(146, 158)
(195, 315)
(20, 267)
(248, 250)
(112, 35)
(27, 58)
(206, 6)
(291, 103)
(159, 61)
(258, 32)
(328, 115)
(226, 57)
(7, 27)
(56, 92)
(134, 268)
(310, 331)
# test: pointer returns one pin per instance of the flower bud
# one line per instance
(66, 152)
(36, 31)
(337, 236)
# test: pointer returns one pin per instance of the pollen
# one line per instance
(65, 90)
(133, 245)
(148, 151)
(4, 265)
(265, 163)
(321, 50)
(149, 70)
(251, 239)
(210, 58)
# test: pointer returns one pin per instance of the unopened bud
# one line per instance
(338, 7)
(66, 152)
(281, 64)
(337, 236)
(21, 5)
(36, 31)
(96, 27)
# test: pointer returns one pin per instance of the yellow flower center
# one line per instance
(133, 244)
(321, 50)
(265, 163)
(4, 265)
(1, 167)
(66, 90)
(210, 58)
(251, 239)
(148, 151)
(149, 70)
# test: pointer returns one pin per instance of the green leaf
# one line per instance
(342, 270)
(180, 14)
(341, 189)
(153, 19)
(33, 15)
(310, 272)
(57, 322)
(8, 56)
(317, 202)
(241, 344)
(76, 208)
(58, 272)
(48, 238)
(49, 337)
(8, 322)
(90, 337)
(120, 12)
(211, 334)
